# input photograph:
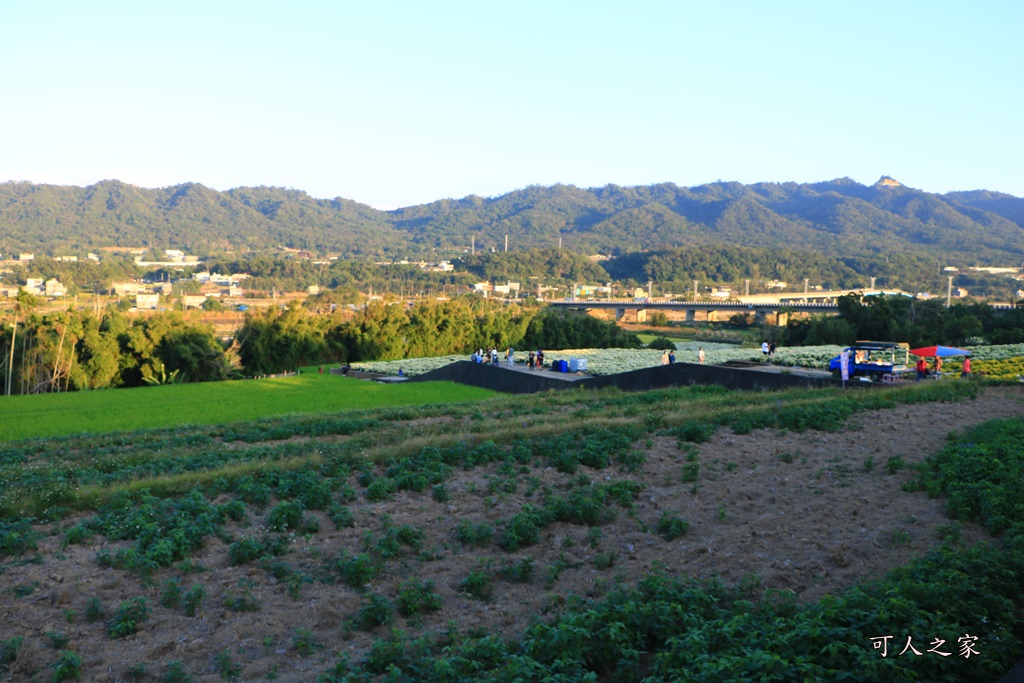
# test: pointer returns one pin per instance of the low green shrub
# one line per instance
(417, 597)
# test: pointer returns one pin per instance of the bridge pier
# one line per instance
(691, 315)
(641, 315)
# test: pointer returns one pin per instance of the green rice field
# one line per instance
(115, 410)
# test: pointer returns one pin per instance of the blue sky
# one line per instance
(398, 103)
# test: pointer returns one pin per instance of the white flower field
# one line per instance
(613, 361)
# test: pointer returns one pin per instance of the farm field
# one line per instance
(1001, 362)
(683, 534)
(109, 410)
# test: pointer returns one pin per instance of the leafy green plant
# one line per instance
(341, 516)
(57, 639)
(68, 667)
(894, 464)
(518, 572)
(474, 533)
(193, 599)
(286, 516)
(376, 611)
(671, 526)
(478, 583)
(129, 615)
(440, 493)
(170, 593)
(355, 570)
(304, 643)
(136, 672)
(228, 669)
(94, 610)
(9, 649)
(241, 598)
(417, 597)
(175, 672)
(604, 560)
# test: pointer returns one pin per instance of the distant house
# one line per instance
(193, 300)
(69, 259)
(147, 302)
(128, 288)
(54, 287)
(23, 256)
(164, 288)
(721, 292)
(34, 285)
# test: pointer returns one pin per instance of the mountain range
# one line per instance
(839, 218)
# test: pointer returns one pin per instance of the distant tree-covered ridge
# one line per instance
(839, 218)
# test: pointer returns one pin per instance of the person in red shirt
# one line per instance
(965, 369)
(922, 368)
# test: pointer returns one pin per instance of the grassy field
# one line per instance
(111, 410)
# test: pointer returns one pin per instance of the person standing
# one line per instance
(494, 357)
(510, 357)
(664, 357)
(965, 369)
(700, 355)
(671, 357)
(764, 349)
(922, 369)
(531, 360)
(540, 359)
(771, 350)
(937, 370)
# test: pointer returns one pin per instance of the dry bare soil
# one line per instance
(813, 513)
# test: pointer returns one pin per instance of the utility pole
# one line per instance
(472, 245)
(506, 242)
(695, 291)
(949, 292)
(873, 283)
(746, 288)
(650, 289)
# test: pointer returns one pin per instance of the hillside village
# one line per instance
(195, 285)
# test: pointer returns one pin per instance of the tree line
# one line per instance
(78, 350)
(272, 341)
(906, 319)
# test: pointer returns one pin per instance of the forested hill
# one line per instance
(841, 218)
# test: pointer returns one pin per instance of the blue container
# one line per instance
(563, 366)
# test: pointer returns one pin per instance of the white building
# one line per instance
(54, 287)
